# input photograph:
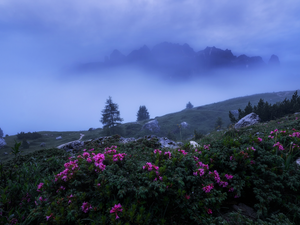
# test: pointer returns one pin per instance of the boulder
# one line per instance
(42, 144)
(184, 125)
(58, 138)
(2, 143)
(163, 141)
(194, 144)
(152, 126)
(73, 145)
(248, 120)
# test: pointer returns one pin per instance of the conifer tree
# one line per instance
(143, 113)
(232, 118)
(248, 109)
(110, 114)
(219, 123)
(1, 133)
(189, 105)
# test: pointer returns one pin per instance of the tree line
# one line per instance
(267, 111)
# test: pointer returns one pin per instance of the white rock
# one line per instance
(248, 120)
(194, 144)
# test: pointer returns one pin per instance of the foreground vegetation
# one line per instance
(140, 183)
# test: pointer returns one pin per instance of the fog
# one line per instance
(41, 41)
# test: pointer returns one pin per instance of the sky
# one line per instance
(40, 40)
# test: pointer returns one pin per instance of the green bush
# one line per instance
(158, 186)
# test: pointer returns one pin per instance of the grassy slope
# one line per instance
(200, 118)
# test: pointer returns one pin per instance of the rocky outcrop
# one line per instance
(248, 120)
(274, 61)
(42, 144)
(58, 138)
(152, 126)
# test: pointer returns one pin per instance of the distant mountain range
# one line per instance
(180, 60)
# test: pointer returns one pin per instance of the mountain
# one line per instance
(181, 60)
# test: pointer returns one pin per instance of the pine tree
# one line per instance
(1, 133)
(110, 115)
(189, 105)
(143, 113)
(232, 118)
(248, 109)
(219, 123)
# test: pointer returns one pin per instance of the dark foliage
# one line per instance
(267, 111)
(28, 135)
(25, 144)
(110, 114)
(143, 113)
(219, 123)
(189, 105)
(1, 133)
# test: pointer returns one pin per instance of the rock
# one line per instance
(73, 145)
(166, 143)
(2, 143)
(184, 125)
(235, 112)
(246, 210)
(152, 126)
(126, 140)
(194, 144)
(58, 138)
(91, 129)
(42, 144)
(248, 120)
(5, 153)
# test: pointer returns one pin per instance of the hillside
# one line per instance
(200, 118)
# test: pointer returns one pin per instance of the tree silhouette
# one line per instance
(110, 114)
(189, 105)
(143, 113)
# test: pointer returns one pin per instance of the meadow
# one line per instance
(141, 183)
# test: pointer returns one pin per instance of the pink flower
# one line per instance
(231, 189)
(208, 188)
(40, 186)
(98, 185)
(91, 149)
(259, 139)
(85, 207)
(209, 211)
(48, 217)
(228, 176)
(115, 209)
(252, 162)
(187, 196)
(168, 153)
(157, 150)
(182, 151)
(148, 166)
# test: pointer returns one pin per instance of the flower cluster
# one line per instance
(115, 209)
(280, 147)
(182, 151)
(157, 151)
(85, 207)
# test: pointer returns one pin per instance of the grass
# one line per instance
(266, 179)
